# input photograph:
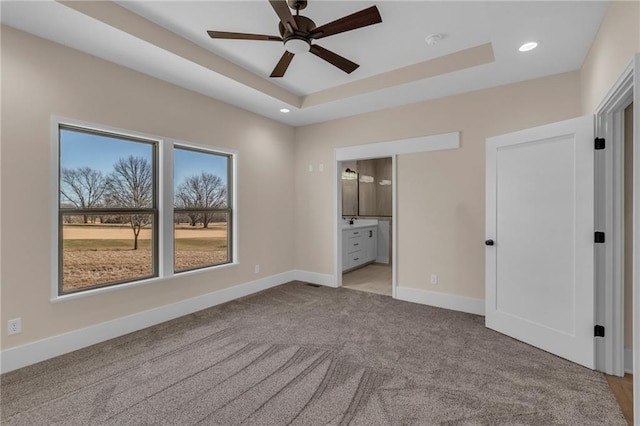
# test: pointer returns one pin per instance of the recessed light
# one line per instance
(528, 46)
(285, 110)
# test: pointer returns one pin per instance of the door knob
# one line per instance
(488, 243)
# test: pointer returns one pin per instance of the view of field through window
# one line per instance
(107, 204)
(108, 209)
(102, 251)
(201, 217)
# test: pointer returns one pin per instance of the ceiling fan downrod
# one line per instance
(297, 5)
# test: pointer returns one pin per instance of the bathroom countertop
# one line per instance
(359, 223)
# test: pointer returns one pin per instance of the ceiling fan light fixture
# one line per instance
(297, 45)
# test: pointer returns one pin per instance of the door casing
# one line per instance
(609, 257)
(609, 284)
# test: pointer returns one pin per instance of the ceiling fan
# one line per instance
(298, 33)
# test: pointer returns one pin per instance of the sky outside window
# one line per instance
(188, 163)
(99, 152)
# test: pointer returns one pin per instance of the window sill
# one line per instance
(79, 295)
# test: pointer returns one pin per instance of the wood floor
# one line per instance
(622, 388)
(374, 278)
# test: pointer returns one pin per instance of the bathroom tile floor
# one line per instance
(373, 278)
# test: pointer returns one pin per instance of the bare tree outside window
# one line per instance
(131, 185)
(83, 187)
(203, 191)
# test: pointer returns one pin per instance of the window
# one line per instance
(201, 208)
(110, 212)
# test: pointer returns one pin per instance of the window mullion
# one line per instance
(166, 209)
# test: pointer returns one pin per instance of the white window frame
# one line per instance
(165, 203)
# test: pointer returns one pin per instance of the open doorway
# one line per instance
(393, 149)
(367, 216)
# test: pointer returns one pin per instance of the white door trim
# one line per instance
(381, 150)
(609, 260)
(636, 237)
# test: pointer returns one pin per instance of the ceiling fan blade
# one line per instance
(242, 36)
(284, 13)
(334, 59)
(282, 65)
(365, 17)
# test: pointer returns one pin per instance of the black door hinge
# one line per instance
(599, 143)
(598, 237)
(598, 331)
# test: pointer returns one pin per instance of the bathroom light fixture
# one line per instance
(285, 110)
(349, 174)
(528, 46)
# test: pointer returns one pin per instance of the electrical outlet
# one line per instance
(14, 326)
(310, 167)
(257, 269)
(321, 167)
(434, 279)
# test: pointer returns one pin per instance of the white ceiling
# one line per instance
(374, 48)
(564, 30)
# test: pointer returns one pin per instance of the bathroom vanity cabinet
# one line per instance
(359, 246)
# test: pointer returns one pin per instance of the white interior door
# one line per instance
(540, 217)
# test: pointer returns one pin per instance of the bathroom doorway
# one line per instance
(377, 150)
(367, 217)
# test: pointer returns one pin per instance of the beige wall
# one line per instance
(440, 194)
(612, 50)
(40, 78)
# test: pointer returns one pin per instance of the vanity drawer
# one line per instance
(354, 233)
(355, 258)
(354, 244)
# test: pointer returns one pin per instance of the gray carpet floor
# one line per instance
(305, 355)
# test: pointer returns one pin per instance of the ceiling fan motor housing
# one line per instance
(297, 41)
(305, 26)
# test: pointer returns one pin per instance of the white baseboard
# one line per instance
(628, 361)
(314, 278)
(382, 260)
(31, 353)
(441, 300)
